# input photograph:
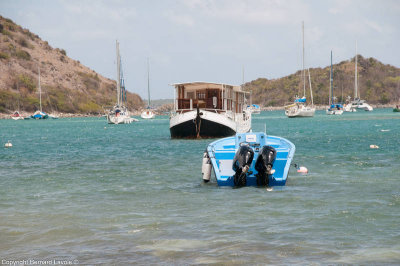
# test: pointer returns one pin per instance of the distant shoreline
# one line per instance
(323, 107)
(138, 112)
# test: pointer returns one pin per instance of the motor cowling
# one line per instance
(264, 164)
(241, 164)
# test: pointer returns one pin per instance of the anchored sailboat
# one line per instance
(39, 114)
(16, 115)
(334, 108)
(148, 113)
(357, 103)
(119, 114)
(300, 108)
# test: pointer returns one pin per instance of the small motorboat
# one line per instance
(248, 159)
(17, 116)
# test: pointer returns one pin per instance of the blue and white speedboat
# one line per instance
(248, 159)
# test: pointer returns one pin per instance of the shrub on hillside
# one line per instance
(10, 26)
(4, 55)
(23, 54)
(27, 82)
(7, 100)
(89, 108)
(23, 42)
(29, 34)
(6, 32)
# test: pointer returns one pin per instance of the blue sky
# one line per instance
(210, 40)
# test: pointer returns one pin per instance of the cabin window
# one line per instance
(201, 95)
(190, 95)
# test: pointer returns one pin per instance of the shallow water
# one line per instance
(81, 190)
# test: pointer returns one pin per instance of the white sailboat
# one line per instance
(357, 103)
(119, 114)
(334, 108)
(148, 113)
(39, 114)
(16, 115)
(300, 108)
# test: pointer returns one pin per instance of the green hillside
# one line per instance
(378, 84)
(67, 85)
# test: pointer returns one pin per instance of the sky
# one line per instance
(210, 40)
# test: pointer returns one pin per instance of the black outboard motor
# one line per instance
(264, 163)
(241, 164)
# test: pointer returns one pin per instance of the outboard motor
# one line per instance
(241, 164)
(206, 167)
(264, 163)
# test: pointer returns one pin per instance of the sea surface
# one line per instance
(82, 191)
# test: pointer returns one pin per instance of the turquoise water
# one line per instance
(80, 190)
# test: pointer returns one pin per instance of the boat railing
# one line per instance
(218, 111)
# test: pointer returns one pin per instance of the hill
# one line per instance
(67, 85)
(378, 84)
(160, 102)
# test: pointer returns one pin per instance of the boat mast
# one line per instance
(40, 92)
(118, 76)
(304, 73)
(148, 83)
(242, 86)
(330, 84)
(355, 77)
(309, 79)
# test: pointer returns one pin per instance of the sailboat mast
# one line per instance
(355, 78)
(304, 73)
(309, 80)
(242, 87)
(148, 83)
(118, 75)
(330, 84)
(40, 92)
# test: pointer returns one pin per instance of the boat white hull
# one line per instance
(352, 107)
(334, 112)
(121, 119)
(17, 118)
(349, 108)
(148, 114)
(300, 111)
(210, 124)
(365, 107)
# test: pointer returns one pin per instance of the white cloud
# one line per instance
(251, 12)
(339, 6)
(313, 34)
(109, 10)
(180, 19)
(373, 25)
(334, 10)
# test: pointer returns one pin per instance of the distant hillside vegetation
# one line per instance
(67, 85)
(378, 84)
